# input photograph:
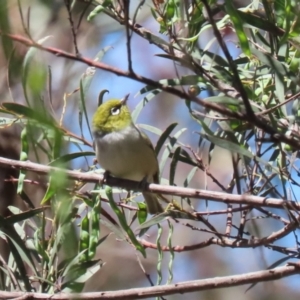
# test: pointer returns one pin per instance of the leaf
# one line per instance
(142, 212)
(150, 128)
(115, 228)
(169, 148)
(69, 157)
(238, 26)
(136, 112)
(173, 165)
(25, 215)
(261, 23)
(163, 137)
(157, 219)
(20, 252)
(7, 43)
(28, 113)
(33, 75)
(123, 222)
(85, 83)
(57, 183)
(233, 147)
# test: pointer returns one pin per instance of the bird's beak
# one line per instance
(124, 100)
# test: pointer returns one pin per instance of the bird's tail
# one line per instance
(153, 205)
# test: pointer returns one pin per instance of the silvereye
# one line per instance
(123, 150)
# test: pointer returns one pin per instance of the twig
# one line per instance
(259, 122)
(155, 188)
(128, 34)
(236, 76)
(181, 287)
(230, 242)
(68, 7)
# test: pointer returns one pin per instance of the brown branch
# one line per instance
(73, 30)
(259, 122)
(155, 188)
(232, 243)
(171, 289)
(237, 80)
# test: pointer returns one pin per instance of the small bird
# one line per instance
(123, 150)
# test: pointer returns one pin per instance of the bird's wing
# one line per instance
(149, 143)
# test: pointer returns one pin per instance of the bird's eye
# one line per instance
(115, 110)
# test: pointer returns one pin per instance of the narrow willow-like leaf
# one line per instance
(123, 222)
(163, 137)
(6, 42)
(28, 113)
(160, 255)
(171, 251)
(173, 166)
(22, 216)
(136, 112)
(142, 212)
(238, 25)
(150, 128)
(27, 64)
(57, 183)
(69, 157)
(169, 148)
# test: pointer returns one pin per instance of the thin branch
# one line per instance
(128, 34)
(73, 30)
(155, 188)
(230, 242)
(236, 76)
(171, 289)
(259, 122)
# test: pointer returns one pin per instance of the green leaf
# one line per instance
(173, 165)
(169, 148)
(142, 212)
(163, 137)
(25, 215)
(261, 23)
(238, 25)
(136, 112)
(5, 18)
(123, 222)
(233, 147)
(28, 113)
(57, 182)
(34, 73)
(69, 157)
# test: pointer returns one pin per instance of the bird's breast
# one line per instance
(126, 155)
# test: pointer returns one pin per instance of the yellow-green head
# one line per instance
(112, 115)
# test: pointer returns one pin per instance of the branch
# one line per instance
(155, 188)
(259, 122)
(159, 291)
(232, 242)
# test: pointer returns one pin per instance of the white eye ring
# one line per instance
(115, 110)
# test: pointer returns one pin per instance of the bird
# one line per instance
(123, 150)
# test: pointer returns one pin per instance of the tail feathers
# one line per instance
(153, 205)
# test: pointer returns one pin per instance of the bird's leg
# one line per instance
(143, 184)
(105, 176)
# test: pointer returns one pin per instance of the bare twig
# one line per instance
(73, 30)
(232, 242)
(155, 188)
(128, 34)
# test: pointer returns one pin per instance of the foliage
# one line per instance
(246, 105)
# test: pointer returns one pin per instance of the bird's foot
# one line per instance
(105, 176)
(143, 184)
